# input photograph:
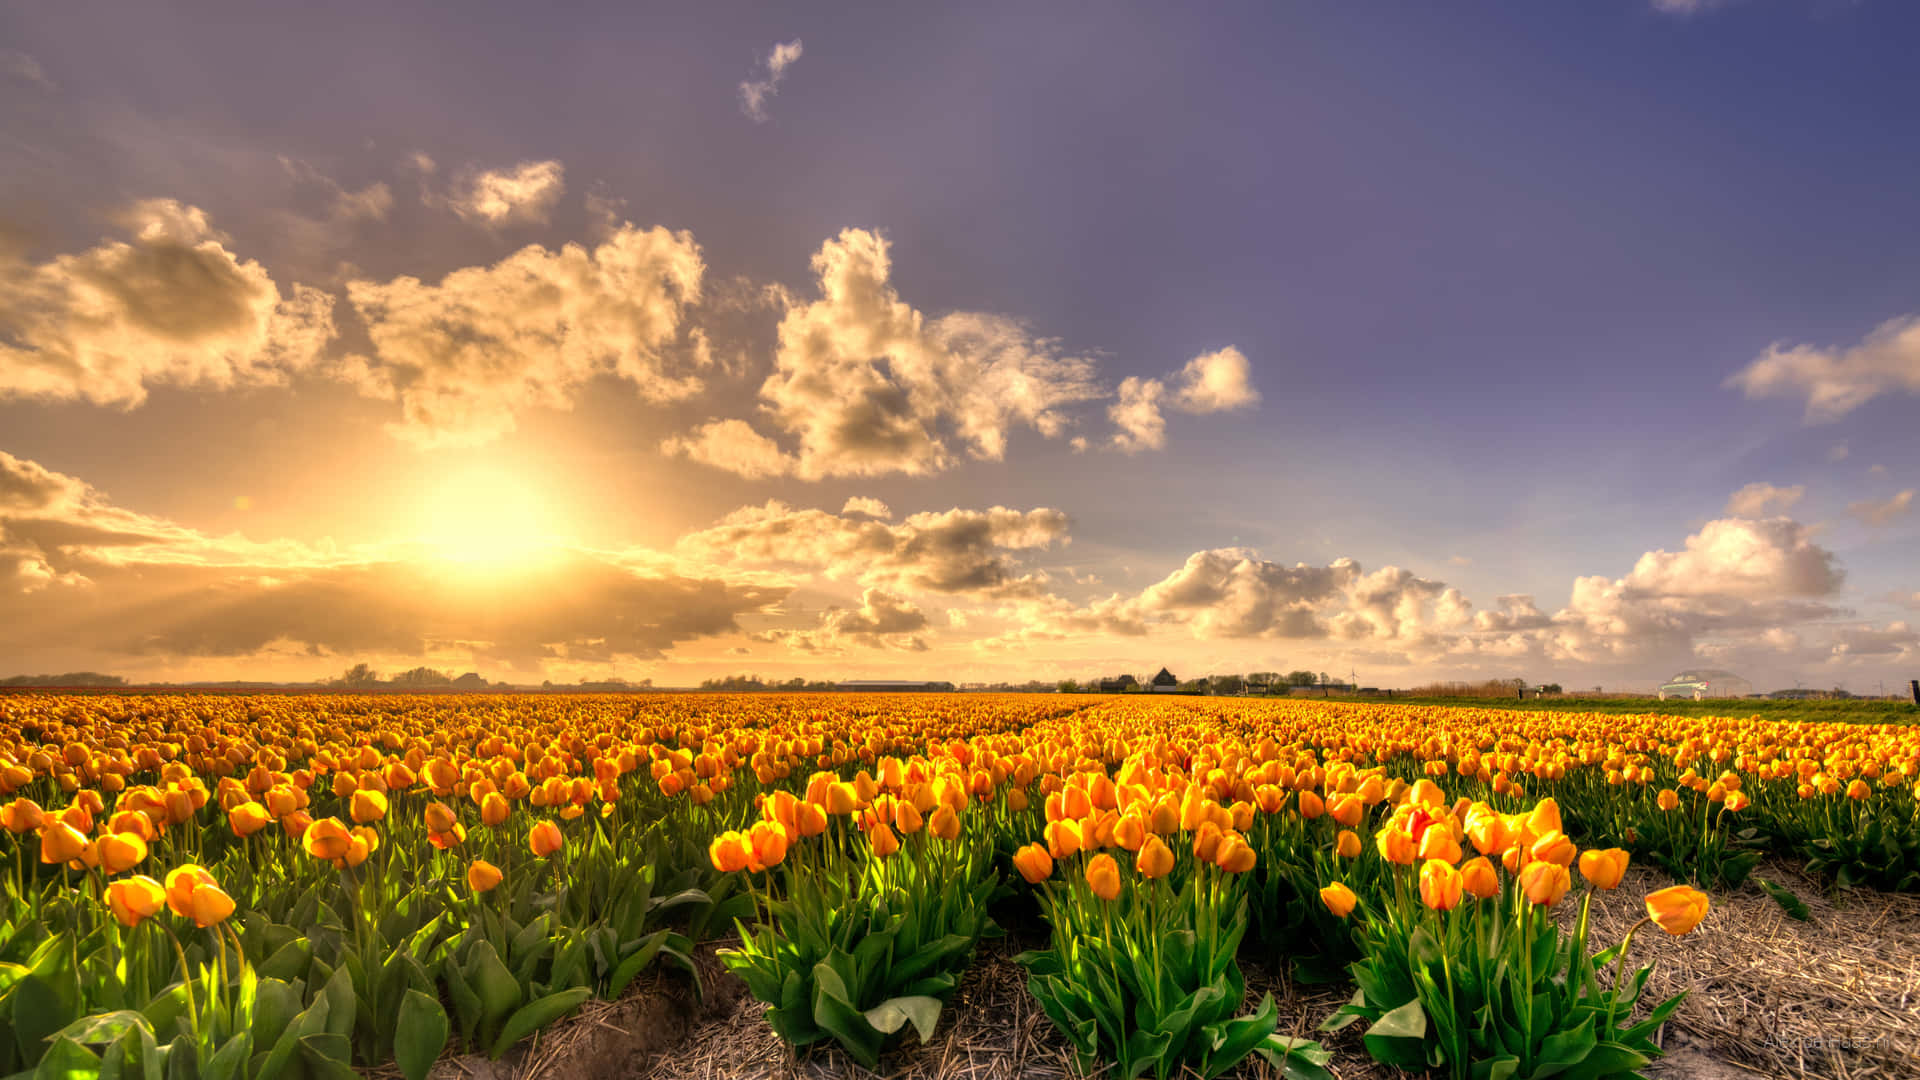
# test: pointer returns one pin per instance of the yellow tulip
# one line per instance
(1154, 860)
(1477, 876)
(483, 876)
(1103, 876)
(1339, 899)
(883, 842)
(1034, 863)
(1604, 869)
(1544, 883)
(135, 899)
(1439, 885)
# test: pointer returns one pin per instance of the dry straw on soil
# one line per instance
(1768, 996)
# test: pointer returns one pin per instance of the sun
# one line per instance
(487, 517)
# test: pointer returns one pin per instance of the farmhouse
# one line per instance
(1165, 683)
(1121, 685)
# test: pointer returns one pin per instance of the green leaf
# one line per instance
(313, 1021)
(421, 1035)
(535, 1015)
(891, 1014)
(288, 962)
(1397, 1037)
(66, 1059)
(340, 1002)
(328, 1056)
(498, 990)
(230, 1061)
(1297, 1059)
(1789, 901)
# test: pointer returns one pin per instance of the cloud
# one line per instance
(1897, 641)
(953, 552)
(522, 195)
(76, 568)
(170, 306)
(1137, 415)
(1835, 381)
(1686, 8)
(755, 93)
(866, 385)
(863, 504)
(882, 621)
(17, 66)
(1756, 499)
(464, 356)
(1209, 383)
(1215, 382)
(1882, 512)
(1837, 454)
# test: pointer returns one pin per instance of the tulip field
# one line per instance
(325, 885)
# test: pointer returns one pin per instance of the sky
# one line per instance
(1572, 343)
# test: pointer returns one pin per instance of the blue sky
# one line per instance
(1490, 275)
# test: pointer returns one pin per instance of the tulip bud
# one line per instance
(1103, 876)
(1339, 899)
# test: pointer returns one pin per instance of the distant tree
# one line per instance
(416, 678)
(359, 675)
(470, 681)
(1299, 678)
(1069, 686)
(1325, 678)
(1551, 688)
(1228, 684)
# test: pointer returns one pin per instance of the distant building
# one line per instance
(892, 686)
(1165, 683)
(1120, 685)
(1700, 683)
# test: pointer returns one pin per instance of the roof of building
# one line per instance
(1165, 678)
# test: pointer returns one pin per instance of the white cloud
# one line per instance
(1758, 498)
(1882, 512)
(1215, 382)
(755, 93)
(1136, 416)
(171, 306)
(866, 385)
(954, 551)
(463, 357)
(524, 194)
(865, 504)
(1835, 381)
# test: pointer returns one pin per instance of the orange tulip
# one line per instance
(1103, 876)
(1477, 876)
(944, 823)
(328, 838)
(1439, 885)
(1130, 832)
(1544, 883)
(1034, 863)
(1311, 805)
(1347, 844)
(769, 843)
(811, 819)
(1669, 799)
(483, 876)
(1339, 899)
(368, 806)
(1677, 909)
(1554, 847)
(60, 842)
(1604, 869)
(883, 842)
(1063, 839)
(544, 839)
(22, 815)
(494, 809)
(248, 818)
(135, 899)
(1395, 846)
(182, 883)
(1235, 856)
(1154, 860)
(1438, 843)
(120, 852)
(730, 851)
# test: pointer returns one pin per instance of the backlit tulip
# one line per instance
(1677, 909)
(1154, 860)
(120, 852)
(1668, 799)
(1439, 885)
(1554, 847)
(1311, 805)
(1544, 883)
(1103, 876)
(1130, 832)
(812, 820)
(328, 838)
(1339, 899)
(369, 806)
(730, 851)
(1438, 843)
(1478, 877)
(1034, 863)
(1235, 855)
(60, 842)
(494, 809)
(883, 842)
(1604, 869)
(135, 899)
(248, 818)
(1395, 846)
(944, 823)
(182, 883)
(1347, 844)
(22, 815)
(482, 876)
(768, 841)
(545, 839)
(1063, 839)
